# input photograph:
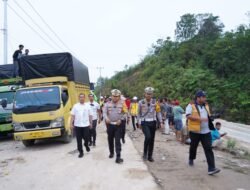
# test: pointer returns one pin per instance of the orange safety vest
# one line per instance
(195, 126)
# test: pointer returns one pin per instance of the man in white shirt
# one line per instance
(95, 108)
(81, 119)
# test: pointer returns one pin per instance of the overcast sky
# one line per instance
(108, 33)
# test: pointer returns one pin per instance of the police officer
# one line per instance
(113, 113)
(147, 113)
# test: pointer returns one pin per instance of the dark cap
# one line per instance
(200, 93)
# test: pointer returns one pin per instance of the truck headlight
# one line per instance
(17, 126)
(58, 122)
(8, 119)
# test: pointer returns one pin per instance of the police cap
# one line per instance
(149, 90)
(115, 92)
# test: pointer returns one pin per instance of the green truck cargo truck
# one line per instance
(8, 87)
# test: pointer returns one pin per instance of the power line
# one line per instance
(48, 25)
(36, 32)
(37, 25)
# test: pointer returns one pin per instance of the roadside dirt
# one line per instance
(171, 170)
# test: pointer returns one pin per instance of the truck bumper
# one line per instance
(28, 135)
(6, 127)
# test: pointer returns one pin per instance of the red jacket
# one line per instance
(127, 102)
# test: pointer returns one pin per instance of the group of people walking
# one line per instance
(145, 114)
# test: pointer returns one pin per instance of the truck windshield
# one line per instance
(7, 96)
(37, 100)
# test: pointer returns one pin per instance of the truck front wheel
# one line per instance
(66, 138)
(28, 143)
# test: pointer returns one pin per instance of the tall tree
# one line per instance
(210, 27)
(186, 28)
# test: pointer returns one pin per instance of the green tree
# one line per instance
(210, 27)
(186, 28)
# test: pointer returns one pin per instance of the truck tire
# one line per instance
(66, 138)
(28, 143)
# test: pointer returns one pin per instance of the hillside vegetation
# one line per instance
(201, 57)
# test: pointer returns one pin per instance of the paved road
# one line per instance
(238, 131)
(53, 165)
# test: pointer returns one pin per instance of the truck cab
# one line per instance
(42, 112)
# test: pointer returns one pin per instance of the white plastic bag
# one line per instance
(166, 127)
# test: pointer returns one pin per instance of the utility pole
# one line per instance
(100, 70)
(5, 34)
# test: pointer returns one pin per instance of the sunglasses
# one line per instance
(92, 104)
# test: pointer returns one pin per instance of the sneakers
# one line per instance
(80, 155)
(111, 155)
(191, 163)
(119, 160)
(213, 171)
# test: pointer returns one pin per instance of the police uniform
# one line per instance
(147, 113)
(113, 114)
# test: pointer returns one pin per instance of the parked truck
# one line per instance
(42, 109)
(8, 87)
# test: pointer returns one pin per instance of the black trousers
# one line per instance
(16, 72)
(82, 133)
(114, 133)
(133, 122)
(92, 131)
(123, 128)
(148, 129)
(206, 142)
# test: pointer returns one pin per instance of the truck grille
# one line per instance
(37, 124)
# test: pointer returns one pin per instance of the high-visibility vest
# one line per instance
(195, 126)
(134, 109)
(158, 108)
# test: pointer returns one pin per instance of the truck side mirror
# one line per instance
(64, 98)
(4, 103)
